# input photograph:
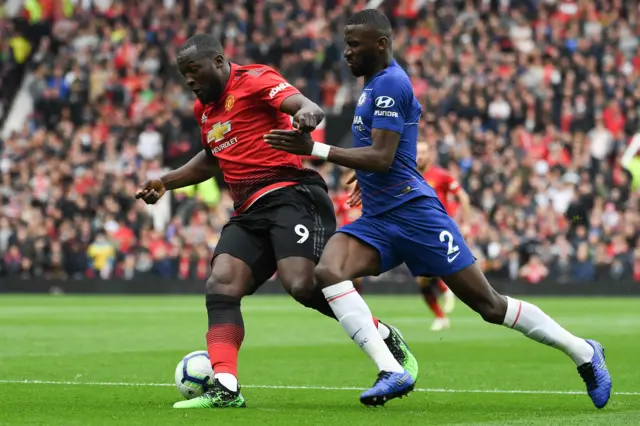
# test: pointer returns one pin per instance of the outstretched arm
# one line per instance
(200, 168)
(376, 158)
(390, 101)
(197, 170)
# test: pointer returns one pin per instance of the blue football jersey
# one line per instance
(387, 102)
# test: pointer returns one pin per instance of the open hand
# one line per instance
(151, 191)
(292, 141)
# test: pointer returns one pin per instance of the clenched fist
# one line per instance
(305, 121)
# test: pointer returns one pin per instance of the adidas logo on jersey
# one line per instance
(280, 87)
(204, 118)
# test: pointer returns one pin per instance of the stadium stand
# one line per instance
(532, 105)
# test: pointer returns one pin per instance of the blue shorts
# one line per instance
(419, 233)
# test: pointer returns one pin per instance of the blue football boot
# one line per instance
(596, 376)
(388, 386)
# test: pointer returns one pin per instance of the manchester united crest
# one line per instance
(228, 103)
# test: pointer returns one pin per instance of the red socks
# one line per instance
(226, 333)
(223, 345)
(441, 285)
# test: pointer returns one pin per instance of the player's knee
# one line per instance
(326, 275)
(302, 290)
(223, 282)
(426, 286)
(297, 278)
(493, 309)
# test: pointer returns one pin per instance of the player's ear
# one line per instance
(383, 43)
(218, 61)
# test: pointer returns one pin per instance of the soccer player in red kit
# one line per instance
(445, 186)
(283, 214)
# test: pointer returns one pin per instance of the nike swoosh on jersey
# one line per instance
(451, 259)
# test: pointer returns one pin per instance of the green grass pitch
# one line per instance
(73, 360)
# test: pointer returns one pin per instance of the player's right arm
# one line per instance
(390, 102)
(376, 158)
(199, 169)
(463, 198)
(391, 105)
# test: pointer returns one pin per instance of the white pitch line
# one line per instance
(323, 388)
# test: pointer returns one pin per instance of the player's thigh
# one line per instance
(301, 226)
(429, 240)
(243, 261)
(361, 248)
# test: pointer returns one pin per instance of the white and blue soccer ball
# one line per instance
(194, 374)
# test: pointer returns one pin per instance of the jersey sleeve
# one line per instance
(389, 105)
(272, 88)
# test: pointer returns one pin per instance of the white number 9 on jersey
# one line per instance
(302, 232)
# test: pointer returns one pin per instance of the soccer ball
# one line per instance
(194, 374)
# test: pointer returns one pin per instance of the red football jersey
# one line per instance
(233, 129)
(444, 185)
(344, 212)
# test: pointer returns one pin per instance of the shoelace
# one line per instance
(588, 375)
(382, 376)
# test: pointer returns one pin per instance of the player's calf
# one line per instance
(224, 290)
(345, 258)
(471, 286)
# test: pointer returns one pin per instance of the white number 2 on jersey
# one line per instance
(302, 232)
(445, 236)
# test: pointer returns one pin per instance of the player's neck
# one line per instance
(225, 79)
(384, 63)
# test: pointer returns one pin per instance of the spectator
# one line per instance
(583, 269)
(102, 256)
(533, 121)
(534, 271)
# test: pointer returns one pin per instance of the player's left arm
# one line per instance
(306, 114)
(462, 196)
(279, 94)
(386, 128)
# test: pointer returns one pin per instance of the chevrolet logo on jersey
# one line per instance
(217, 132)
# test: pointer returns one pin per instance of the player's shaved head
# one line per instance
(202, 63)
(201, 45)
(367, 36)
(374, 20)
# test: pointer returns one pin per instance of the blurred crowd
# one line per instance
(531, 105)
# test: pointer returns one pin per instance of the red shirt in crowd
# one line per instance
(444, 185)
(344, 212)
(613, 120)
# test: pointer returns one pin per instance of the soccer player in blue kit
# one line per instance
(403, 221)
